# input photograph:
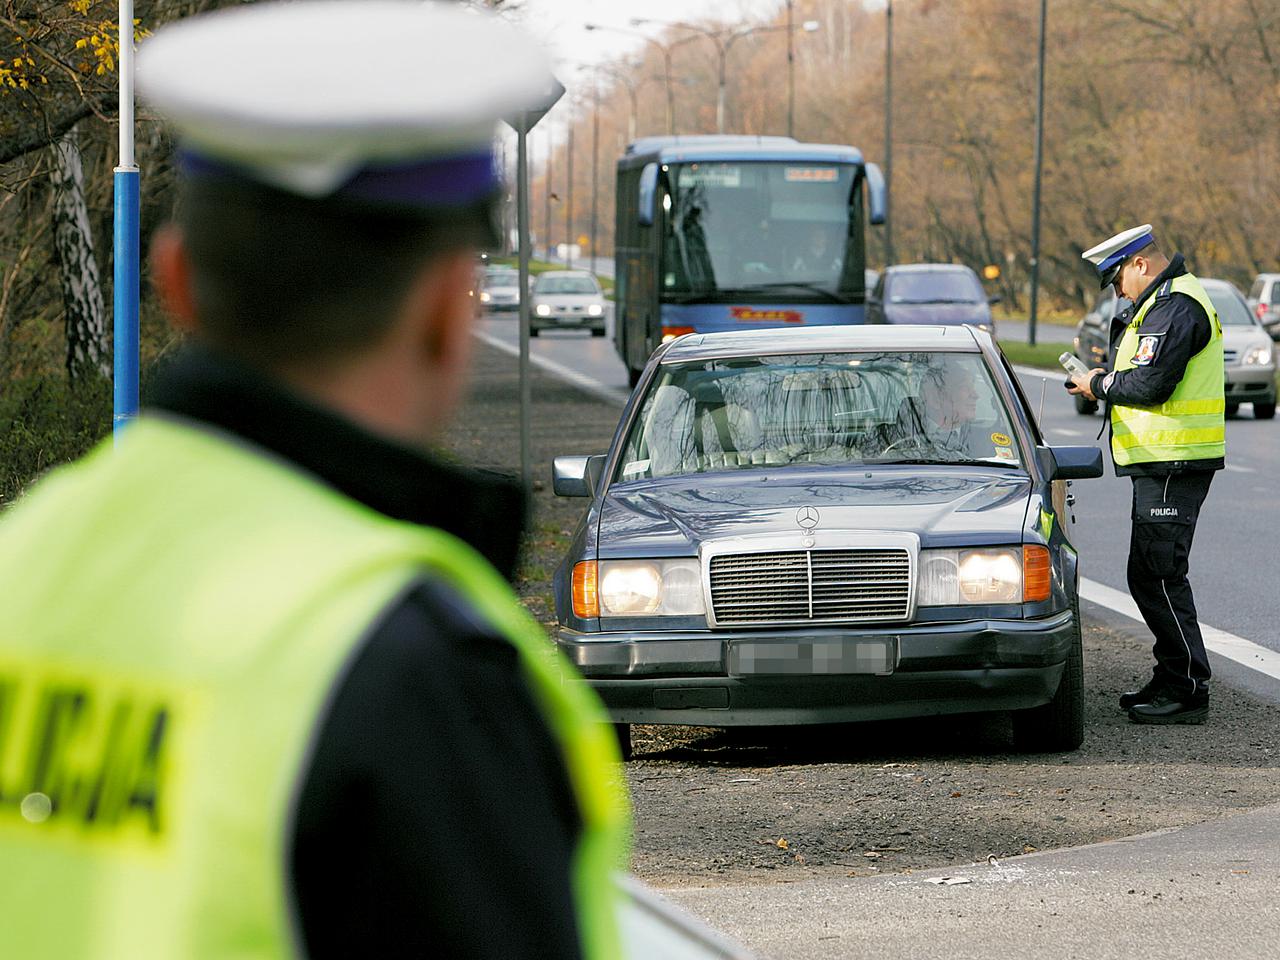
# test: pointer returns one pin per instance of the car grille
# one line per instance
(811, 586)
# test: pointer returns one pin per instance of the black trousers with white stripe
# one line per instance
(1165, 511)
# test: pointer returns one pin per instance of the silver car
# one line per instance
(500, 290)
(1249, 359)
(567, 299)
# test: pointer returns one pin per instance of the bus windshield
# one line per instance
(785, 228)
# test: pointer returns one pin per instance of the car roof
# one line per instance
(825, 339)
(566, 273)
(928, 268)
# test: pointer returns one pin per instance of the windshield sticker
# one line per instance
(1146, 351)
(1004, 453)
(1001, 440)
(811, 174)
(752, 315)
(635, 467)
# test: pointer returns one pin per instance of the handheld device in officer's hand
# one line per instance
(1073, 365)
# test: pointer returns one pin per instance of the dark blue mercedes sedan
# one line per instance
(828, 524)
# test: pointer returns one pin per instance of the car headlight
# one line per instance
(595, 310)
(641, 588)
(994, 575)
(1258, 355)
(485, 298)
(542, 310)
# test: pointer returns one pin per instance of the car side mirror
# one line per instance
(577, 476)
(996, 299)
(1070, 463)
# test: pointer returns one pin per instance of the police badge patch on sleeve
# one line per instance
(1146, 352)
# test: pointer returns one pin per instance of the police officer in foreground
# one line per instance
(263, 692)
(1165, 396)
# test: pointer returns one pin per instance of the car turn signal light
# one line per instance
(586, 589)
(1035, 573)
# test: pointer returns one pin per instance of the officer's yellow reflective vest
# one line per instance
(175, 614)
(1190, 425)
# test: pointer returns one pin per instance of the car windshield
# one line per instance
(934, 287)
(844, 408)
(566, 285)
(1232, 310)
(502, 279)
(768, 228)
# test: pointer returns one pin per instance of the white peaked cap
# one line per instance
(1107, 256)
(304, 95)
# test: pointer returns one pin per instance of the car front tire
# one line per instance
(1264, 411)
(1058, 726)
(623, 732)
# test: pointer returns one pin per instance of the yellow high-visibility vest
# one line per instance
(1191, 424)
(176, 613)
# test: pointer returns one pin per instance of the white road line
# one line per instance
(1234, 468)
(1066, 432)
(1242, 651)
(579, 380)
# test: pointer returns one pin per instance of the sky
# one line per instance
(560, 23)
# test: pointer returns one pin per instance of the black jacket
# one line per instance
(435, 817)
(1181, 330)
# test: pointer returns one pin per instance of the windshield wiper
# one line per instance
(936, 461)
(783, 285)
(922, 302)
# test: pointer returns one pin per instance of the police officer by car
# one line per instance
(263, 689)
(1168, 434)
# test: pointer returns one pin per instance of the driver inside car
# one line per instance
(942, 421)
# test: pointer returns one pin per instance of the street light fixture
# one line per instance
(724, 40)
(665, 49)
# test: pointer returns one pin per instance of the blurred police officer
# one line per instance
(1165, 396)
(262, 691)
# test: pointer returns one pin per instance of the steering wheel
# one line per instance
(911, 440)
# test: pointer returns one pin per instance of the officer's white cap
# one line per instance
(1108, 256)
(310, 96)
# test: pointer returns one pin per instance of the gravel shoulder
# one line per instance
(768, 805)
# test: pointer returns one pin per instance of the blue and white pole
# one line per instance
(127, 254)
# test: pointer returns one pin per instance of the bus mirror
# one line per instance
(875, 192)
(648, 193)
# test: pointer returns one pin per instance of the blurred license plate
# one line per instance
(814, 657)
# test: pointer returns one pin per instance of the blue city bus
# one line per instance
(732, 232)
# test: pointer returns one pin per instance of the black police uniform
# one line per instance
(1167, 496)
(434, 770)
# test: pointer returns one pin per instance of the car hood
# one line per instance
(568, 299)
(943, 506)
(943, 313)
(1241, 337)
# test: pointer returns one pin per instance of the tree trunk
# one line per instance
(88, 349)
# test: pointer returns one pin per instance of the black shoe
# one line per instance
(1145, 695)
(1167, 707)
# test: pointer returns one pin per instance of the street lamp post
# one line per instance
(546, 220)
(1035, 200)
(568, 205)
(663, 48)
(724, 40)
(888, 133)
(595, 161)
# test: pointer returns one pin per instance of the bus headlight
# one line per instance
(643, 588)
